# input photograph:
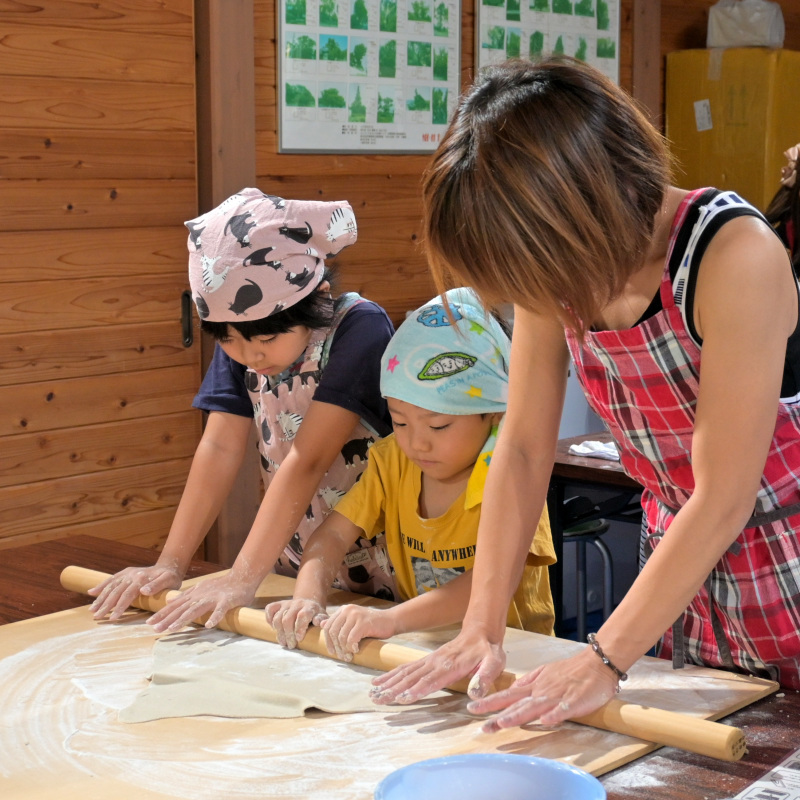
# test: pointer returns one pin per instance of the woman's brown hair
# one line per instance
(544, 190)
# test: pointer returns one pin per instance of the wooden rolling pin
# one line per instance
(656, 725)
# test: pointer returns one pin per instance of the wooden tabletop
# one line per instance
(30, 587)
(593, 470)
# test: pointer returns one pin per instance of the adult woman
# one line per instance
(551, 190)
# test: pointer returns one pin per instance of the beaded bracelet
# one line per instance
(595, 645)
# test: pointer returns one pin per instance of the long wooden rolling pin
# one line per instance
(642, 722)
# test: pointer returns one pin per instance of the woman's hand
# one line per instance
(468, 654)
(116, 593)
(215, 597)
(348, 625)
(292, 618)
(551, 693)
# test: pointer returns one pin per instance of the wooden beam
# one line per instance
(226, 160)
(646, 68)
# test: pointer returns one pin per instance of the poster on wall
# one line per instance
(585, 29)
(367, 75)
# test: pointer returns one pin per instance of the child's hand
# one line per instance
(214, 597)
(348, 625)
(291, 619)
(117, 592)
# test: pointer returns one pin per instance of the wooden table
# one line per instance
(580, 474)
(29, 587)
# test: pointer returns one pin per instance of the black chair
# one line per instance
(581, 528)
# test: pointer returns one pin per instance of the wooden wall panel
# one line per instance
(117, 155)
(67, 103)
(97, 175)
(30, 305)
(92, 351)
(120, 252)
(80, 53)
(23, 459)
(73, 403)
(87, 498)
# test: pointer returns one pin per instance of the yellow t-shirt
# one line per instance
(427, 553)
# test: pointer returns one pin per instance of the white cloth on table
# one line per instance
(592, 449)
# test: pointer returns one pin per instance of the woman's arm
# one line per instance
(214, 467)
(322, 434)
(746, 307)
(515, 493)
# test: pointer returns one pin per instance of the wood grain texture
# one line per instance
(52, 51)
(172, 17)
(97, 175)
(116, 155)
(30, 593)
(36, 407)
(114, 445)
(90, 302)
(146, 529)
(82, 352)
(93, 203)
(61, 502)
(83, 104)
(85, 253)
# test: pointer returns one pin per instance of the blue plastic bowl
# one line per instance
(487, 776)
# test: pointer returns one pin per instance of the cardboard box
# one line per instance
(730, 114)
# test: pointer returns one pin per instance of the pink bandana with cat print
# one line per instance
(256, 254)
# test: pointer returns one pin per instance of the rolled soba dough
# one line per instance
(212, 672)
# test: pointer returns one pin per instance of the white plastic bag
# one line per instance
(745, 23)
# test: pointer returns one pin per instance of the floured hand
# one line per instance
(214, 597)
(292, 618)
(348, 625)
(116, 593)
(468, 654)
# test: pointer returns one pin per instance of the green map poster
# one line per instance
(586, 29)
(367, 75)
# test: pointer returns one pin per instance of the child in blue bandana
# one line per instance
(445, 377)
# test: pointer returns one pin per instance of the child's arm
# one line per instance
(214, 467)
(348, 625)
(322, 557)
(324, 431)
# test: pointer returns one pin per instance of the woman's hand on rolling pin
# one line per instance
(117, 592)
(551, 693)
(292, 618)
(348, 625)
(214, 597)
(469, 653)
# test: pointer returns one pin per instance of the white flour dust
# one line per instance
(59, 710)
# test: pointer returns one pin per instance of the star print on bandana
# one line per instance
(393, 362)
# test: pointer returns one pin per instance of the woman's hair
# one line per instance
(783, 213)
(314, 311)
(544, 190)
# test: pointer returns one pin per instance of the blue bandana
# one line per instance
(458, 367)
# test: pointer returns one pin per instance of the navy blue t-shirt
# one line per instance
(350, 380)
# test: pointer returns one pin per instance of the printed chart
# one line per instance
(367, 75)
(585, 29)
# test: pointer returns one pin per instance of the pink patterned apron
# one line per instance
(644, 382)
(279, 404)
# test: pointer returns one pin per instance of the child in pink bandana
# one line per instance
(305, 368)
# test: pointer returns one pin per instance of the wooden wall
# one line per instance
(97, 175)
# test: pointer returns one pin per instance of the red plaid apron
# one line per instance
(643, 382)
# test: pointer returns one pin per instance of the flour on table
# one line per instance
(215, 673)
